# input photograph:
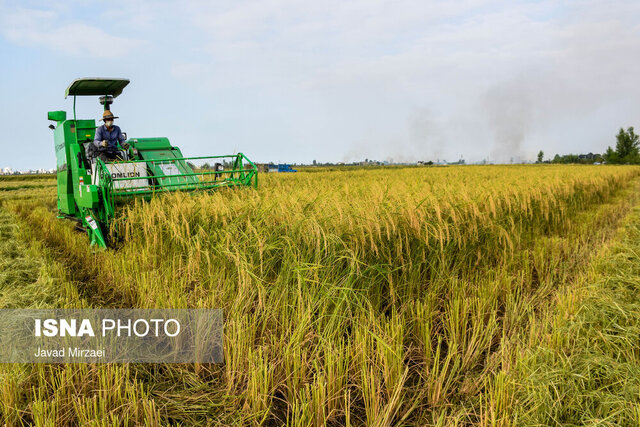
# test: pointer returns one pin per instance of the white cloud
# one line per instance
(187, 70)
(375, 78)
(505, 74)
(29, 27)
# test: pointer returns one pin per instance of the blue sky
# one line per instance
(293, 81)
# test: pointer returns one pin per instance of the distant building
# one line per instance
(39, 171)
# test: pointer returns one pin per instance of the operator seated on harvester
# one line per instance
(107, 138)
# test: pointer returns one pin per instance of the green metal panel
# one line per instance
(57, 116)
(166, 163)
(68, 138)
(151, 143)
(81, 180)
(158, 155)
(87, 196)
(85, 130)
(96, 86)
(66, 203)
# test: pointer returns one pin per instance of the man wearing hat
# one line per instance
(107, 138)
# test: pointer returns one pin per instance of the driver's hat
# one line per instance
(108, 115)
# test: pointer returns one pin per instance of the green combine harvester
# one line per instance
(89, 189)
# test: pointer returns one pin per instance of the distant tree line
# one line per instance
(586, 159)
(625, 152)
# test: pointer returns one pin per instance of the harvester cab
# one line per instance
(90, 189)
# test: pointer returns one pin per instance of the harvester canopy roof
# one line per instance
(88, 86)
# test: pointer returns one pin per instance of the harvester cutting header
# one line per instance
(95, 177)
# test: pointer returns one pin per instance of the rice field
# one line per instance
(390, 296)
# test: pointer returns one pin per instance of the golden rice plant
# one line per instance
(381, 297)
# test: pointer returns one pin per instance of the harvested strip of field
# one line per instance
(363, 297)
(33, 275)
(28, 178)
(23, 187)
(20, 270)
(585, 369)
(30, 183)
(29, 188)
